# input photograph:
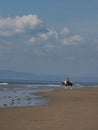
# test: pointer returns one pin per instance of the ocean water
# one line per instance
(22, 94)
(18, 94)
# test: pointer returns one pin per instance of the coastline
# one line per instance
(75, 109)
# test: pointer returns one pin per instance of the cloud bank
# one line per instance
(11, 26)
(26, 43)
(33, 31)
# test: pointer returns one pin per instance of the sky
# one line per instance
(49, 36)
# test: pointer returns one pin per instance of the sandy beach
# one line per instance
(75, 109)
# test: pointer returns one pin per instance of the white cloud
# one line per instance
(65, 31)
(51, 46)
(74, 39)
(10, 26)
(43, 36)
(32, 40)
(31, 30)
(50, 33)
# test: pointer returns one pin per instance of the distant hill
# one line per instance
(13, 75)
(6, 74)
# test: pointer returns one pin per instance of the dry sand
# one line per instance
(75, 109)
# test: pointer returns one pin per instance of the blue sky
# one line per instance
(49, 36)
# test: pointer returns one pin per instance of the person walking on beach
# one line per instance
(68, 81)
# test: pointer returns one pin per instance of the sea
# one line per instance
(23, 93)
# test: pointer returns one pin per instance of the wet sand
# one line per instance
(75, 109)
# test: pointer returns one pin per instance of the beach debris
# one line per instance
(5, 105)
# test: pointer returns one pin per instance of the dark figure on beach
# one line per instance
(67, 83)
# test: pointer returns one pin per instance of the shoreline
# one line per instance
(67, 110)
